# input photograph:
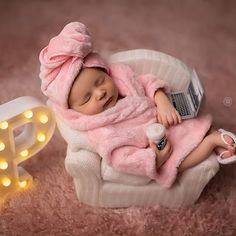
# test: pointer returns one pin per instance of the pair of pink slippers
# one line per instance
(227, 160)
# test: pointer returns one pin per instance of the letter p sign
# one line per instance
(26, 126)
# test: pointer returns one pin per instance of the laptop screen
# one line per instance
(195, 90)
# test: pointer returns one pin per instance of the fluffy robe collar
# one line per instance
(132, 105)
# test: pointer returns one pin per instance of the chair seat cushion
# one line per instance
(110, 174)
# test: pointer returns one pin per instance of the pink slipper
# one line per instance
(231, 159)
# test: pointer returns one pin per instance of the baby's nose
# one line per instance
(100, 93)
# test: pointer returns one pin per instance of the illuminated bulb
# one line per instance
(41, 137)
(4, 125)
(28, 114)
(2, 146)
(24, 153)
(23, 184)
(6, 182)
(43, 119)
(3, 165)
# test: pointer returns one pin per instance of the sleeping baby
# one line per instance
(113, 106)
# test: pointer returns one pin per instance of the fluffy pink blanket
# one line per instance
(118, 135)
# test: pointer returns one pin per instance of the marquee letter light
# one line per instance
(37, 124)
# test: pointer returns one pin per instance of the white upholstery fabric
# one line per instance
(100, 185)
(166, 67)
(91, 189)
(110, 174)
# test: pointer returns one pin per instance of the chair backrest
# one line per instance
(164, 66)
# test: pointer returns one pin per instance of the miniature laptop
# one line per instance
(188, 102)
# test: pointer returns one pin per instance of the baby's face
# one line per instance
(92, 92)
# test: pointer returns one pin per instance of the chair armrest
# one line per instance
(75, 139)
(85, 168)
(193, 181)
(83, 164)
(208, 168)
(189, 184)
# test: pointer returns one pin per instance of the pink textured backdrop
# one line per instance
(201, 33)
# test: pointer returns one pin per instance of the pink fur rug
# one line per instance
(201, 33)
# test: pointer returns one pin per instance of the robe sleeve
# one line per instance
(134, 160)
(129, 83)
(151, 84)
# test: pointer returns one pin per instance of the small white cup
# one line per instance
(156, 133)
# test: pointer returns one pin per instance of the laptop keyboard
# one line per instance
(180, 103)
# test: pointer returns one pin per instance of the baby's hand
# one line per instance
(167, 115)
(161, 155)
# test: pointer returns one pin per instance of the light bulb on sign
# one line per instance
(6, 181)
(24, 153)
(41, 137)
(2, 146)
(4, 125)
(43, 119)
(38, 123)
(23, 184)
(3, 165)
(28, 114)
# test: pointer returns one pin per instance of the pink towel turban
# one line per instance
(62, 60)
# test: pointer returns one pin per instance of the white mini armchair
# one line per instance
(98, 184)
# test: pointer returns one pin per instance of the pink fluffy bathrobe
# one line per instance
(118, 133)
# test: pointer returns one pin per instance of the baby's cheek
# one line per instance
(94, 108)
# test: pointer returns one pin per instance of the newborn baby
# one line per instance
(112, 106)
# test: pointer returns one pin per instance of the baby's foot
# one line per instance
(229, 153)
(221, 146)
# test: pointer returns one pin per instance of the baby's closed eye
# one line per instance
(100, 81)
(86, 98)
